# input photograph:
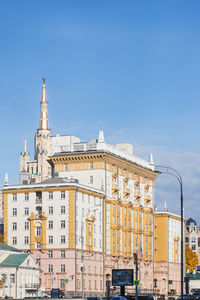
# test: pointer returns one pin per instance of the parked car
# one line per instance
(185, 297)
(118, 298)
(93, 298)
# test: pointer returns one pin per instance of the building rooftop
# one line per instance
(8, 248)
(14, 260)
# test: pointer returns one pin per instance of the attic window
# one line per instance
(28, 262)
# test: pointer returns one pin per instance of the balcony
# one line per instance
(32, 286)
(115, 188)
(147, 199)
(38, 201)
(126, 192)
(137, 196)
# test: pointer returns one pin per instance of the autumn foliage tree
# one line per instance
(191, 259)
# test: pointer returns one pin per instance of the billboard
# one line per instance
(122, 277)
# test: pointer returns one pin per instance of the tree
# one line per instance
(191, 259)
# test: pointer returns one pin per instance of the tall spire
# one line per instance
(25, 146)
(43, 105)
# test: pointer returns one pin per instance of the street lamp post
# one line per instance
(179, 178)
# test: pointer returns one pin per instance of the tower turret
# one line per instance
(43, 109)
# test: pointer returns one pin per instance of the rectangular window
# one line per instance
(26, 196)
(14, 240)
(95, 285)
(62, 195)
(50, 210)
(62, 284)
(38, 231)
(62, 268)
(38, 245)
(26, 225)
(91, 165)
(62, 253)
(14, 211)
(66, 167)
(50, 268)
(50, 224)
(91, 179)
(90, 284)
(14, 225)
(193, 247)
(62, 224)
(50, 239)
(26, 240)
(26, 211)
(62, 210)
(62, 239)
(50, 254)
(14, 197)
(12, 278)
(50, 195)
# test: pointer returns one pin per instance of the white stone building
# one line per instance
(19, 273)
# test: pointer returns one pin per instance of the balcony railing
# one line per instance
(38, 201)
(32, 285)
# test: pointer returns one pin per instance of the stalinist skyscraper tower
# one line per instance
(38, 169)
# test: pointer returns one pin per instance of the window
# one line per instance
(91, 165)
(38, 245)
(62, 268)
(26, 240)
(50, 224)
(50, 268)
(193, 247)
(14, 197)
(26, 211)
(90, 285)
(62, 210)
(187, 239)
(50, 239)
(26, 196)
(26, 225)
(14, 211)
(14, 240)
(62, 224)
(50, 210)
(192, 229)
(50, 195)
(14, 225)
(12, 278)
(62, 283)
(95, 270)
(62, 253)
(91, 179)
(62, 195)
(193, 239)
(62, 239)
(4, 277)
(50, 254)
(38, 231)
(95, 284)
(113, 232)
(66, 167)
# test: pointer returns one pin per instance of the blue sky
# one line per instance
(131, 68)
